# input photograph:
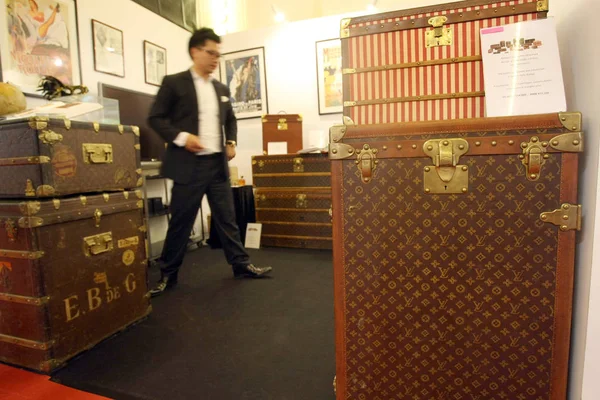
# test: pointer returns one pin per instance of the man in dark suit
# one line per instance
(193, 114)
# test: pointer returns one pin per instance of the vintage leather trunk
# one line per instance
(72, 273)
(293, 200)
(422, 64)
(282, 128)
(48, 158)
(291, 171)
(453, 257)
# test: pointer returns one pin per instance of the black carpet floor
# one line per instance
(215, 337)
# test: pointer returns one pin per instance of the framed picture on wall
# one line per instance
(329, 76)
(243, 72)
(39, 38)
(109, 57)
(155, 63)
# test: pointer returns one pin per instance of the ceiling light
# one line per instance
(279, 16)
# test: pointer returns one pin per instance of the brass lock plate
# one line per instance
(298, 164)
(282, 124)
(446, 175)
(439, 35)
(97, 244)
(301, 201)
(97, 153)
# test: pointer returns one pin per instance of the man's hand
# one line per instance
(193, 144)
(230, 151)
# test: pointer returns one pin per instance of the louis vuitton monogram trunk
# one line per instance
(42, 157)
(422, 64)
(293, 200)
(453, 257)
(72, 272)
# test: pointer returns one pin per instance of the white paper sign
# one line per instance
(253, 232)
(522, 69)
(274, 148)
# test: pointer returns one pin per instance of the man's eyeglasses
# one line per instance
(212, 53)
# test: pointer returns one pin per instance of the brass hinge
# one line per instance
(50, 137)
(30, 222)
(67, 123)
(298, 164)
(36, 301)
(439, 35)
(96, 127)
(567, 217)
(446, 176)
(26, 343)
(56, 203)
(38, 123)
(106, 197)
(542, 5)
(366, 162)
(29, 208)
(23, 255)
(344, 28)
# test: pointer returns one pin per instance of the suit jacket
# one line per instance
(175, 110)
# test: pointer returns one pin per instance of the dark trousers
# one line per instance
(210, 179)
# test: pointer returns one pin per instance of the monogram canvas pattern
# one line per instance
(449, 296)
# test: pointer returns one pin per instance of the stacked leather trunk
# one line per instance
(73, 262)
(293, 200)
(454, 234)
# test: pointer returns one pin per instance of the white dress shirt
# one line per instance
(209, 126)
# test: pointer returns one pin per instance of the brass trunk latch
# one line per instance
(439, 35)
(97, 153)
(366, 162)
(298, 164)
(567, 217)
(97, 244)
(301, 201)
(97, 217)
(282, 124)
(446, 176)
(534, 157)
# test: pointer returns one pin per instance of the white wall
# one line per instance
(582, 85)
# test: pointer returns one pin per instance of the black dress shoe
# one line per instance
(163, 284)
(250, 271)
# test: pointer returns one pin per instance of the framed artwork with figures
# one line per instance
(243, 72)
(155, 63)
(39, 38)
(329, 76)
(109, 56)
